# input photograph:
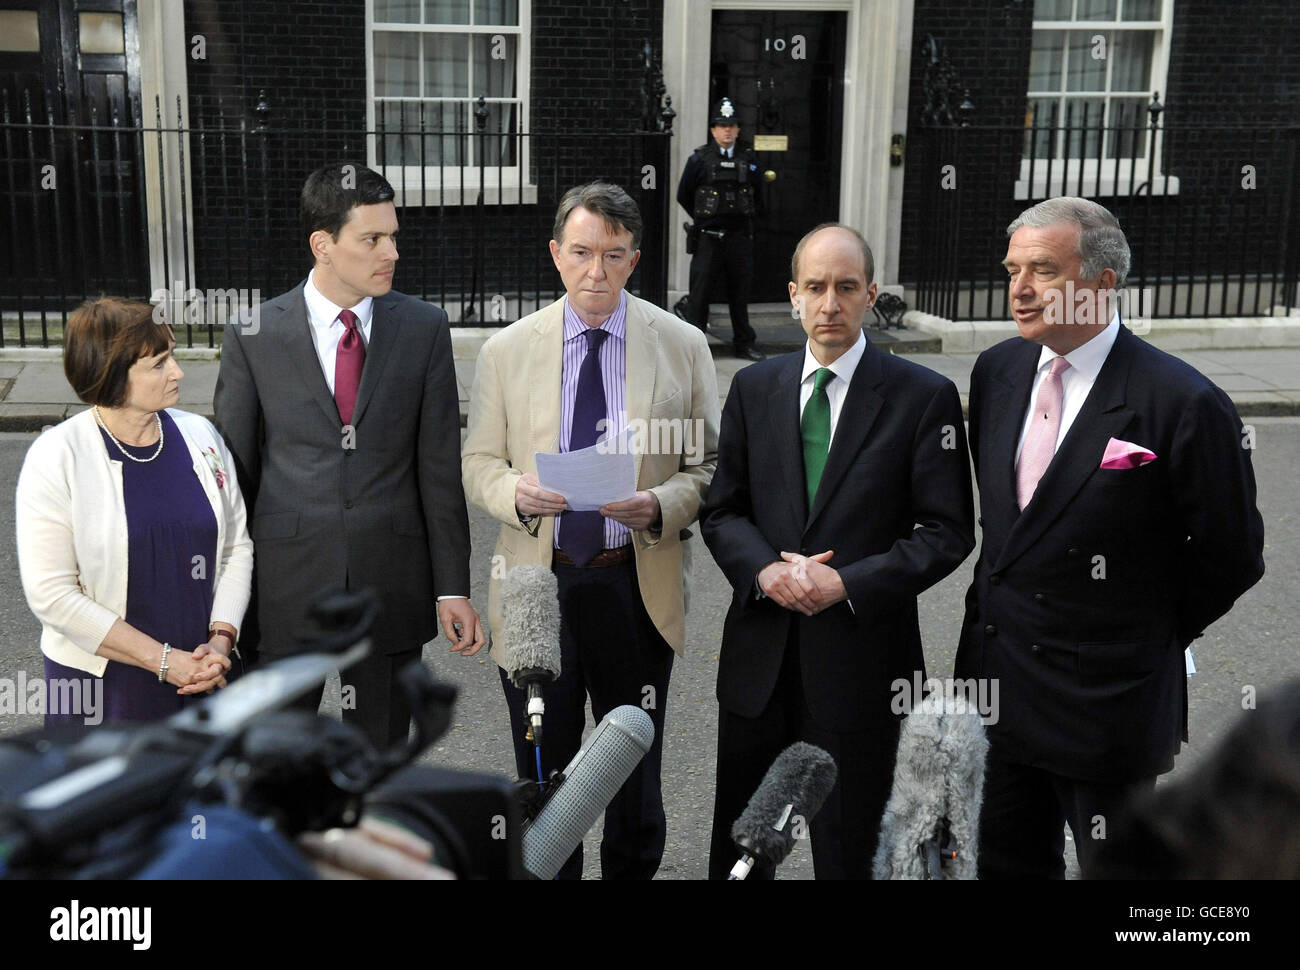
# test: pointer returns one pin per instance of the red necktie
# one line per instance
(348, 361)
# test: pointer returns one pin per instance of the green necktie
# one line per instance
(816, 425)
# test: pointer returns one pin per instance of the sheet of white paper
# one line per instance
(590, 477)
(1191, 664)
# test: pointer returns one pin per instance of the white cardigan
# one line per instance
(72, 535)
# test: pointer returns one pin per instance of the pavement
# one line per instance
(1262, 382)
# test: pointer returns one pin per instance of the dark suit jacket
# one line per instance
(387, 513)
(1082, 604)
(894, 504)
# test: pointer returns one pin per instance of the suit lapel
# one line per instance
(546, 352)
(1008, 401)
(1102, 417)
(642, 349)
(385, 326)
(862, 404)
(783, 415)
(301, 349)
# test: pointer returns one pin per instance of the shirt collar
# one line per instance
(616, 324)
(322, 312)
(843, 367)
(1086, 360)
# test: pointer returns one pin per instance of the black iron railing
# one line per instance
(198, 209)
(1212, 214)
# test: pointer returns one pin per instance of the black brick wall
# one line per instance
(586, 82)
(1230, 65)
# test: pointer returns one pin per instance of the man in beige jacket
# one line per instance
(598, 361)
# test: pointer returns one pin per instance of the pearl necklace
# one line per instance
(128, 454)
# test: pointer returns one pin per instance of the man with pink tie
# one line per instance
(1118, 506)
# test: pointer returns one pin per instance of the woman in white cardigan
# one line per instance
(132, 541)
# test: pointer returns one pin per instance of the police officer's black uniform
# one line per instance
(720, 189)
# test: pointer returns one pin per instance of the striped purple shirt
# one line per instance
(613, 372)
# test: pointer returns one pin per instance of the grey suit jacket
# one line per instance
(382, 507)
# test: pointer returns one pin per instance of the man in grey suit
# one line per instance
(338, 400)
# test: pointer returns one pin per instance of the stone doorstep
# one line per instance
(1181, 333)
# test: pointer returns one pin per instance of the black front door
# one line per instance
(785, 72)
(72, 184)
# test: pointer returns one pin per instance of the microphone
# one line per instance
(796, 785)
(930, 829)
(530, 636)
(590, 782)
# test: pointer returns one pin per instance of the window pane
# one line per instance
(101, 33)
(1128, 121)
(446, 66)
(399, 122)
(397, 11)
(1096, 10)
(445, 142)
(1052, 9)
(1040, 120)
(1083, 123)
(494, 65)
(1046, 59)
(446, 11)
(1085, 71)
(1141, 10)
(397, 65)
(1132, 52)
(497, 12)
(20, 30)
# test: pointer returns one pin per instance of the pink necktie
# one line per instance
(348, 361)
(1040, 443)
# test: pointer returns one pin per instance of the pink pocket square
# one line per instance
(1125, 454)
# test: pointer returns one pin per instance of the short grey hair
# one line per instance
(1102, 244)
(610, 202)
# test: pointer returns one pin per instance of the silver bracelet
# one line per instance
(163, 668)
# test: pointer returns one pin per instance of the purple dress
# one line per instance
(171, 573)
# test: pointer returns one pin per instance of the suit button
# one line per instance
(991, 630)
(1040, 598)
(995, 580)
(347, 505)
(1073, 553)
(1036, 648)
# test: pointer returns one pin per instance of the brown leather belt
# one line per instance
(605, 558)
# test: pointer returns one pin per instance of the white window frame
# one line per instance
(430, 185)
(1118, 176)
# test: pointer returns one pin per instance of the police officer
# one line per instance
(719, 188)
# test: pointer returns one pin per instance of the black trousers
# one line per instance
(611, 652)
(1025, 811)
(844, 833)
(732, 259)
(372, 700)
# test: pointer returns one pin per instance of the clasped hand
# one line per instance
(802, 583)
(201, 671)
(640, 512)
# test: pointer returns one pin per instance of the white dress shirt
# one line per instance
(1076, 381)
(843, 369)
(327, 329)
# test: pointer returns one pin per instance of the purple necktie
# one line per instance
(348, 361)
(583, 535)
(1044, 427)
